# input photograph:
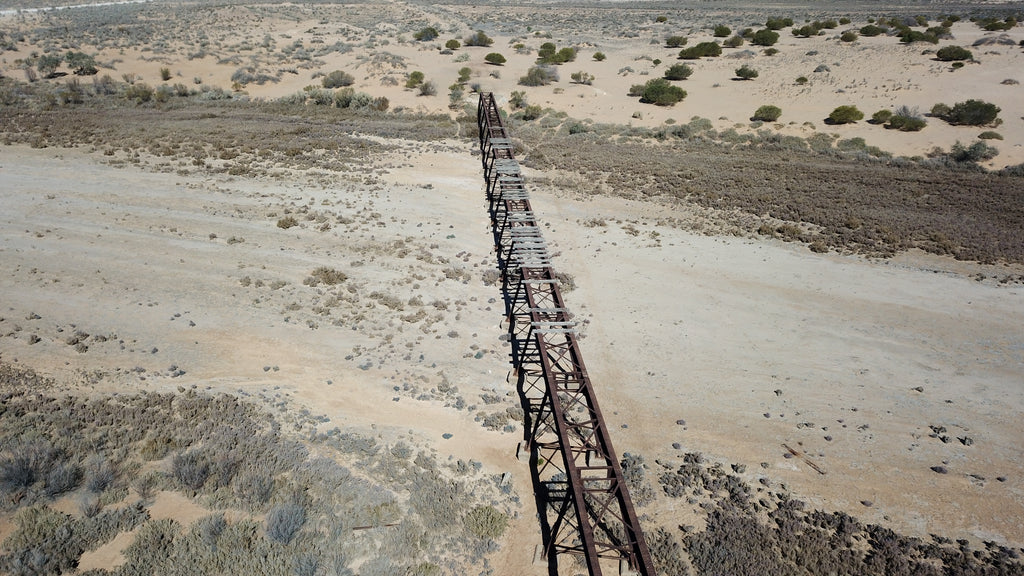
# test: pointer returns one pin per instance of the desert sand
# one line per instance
(732, 345)
(753, 343)
(872, 73)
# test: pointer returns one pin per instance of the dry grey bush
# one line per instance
(236, 457)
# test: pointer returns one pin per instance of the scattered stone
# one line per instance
(966, 440)
(867, 503)
(677, 445)
(681, 422)
(918, 388)
(828, 438)
(939, 469)
(1001, 478)
(447, 435)
(778, 392)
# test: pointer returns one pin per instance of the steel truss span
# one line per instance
(583, 501)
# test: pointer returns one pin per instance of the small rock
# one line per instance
(939, 469)
(828, 438)
(918, 388)
(1001, 478)
(867, 503)
(966, 440)
(778, 392)
(681, 422)
(447, 435)
(677, 445)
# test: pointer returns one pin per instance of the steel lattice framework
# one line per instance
(584, 503)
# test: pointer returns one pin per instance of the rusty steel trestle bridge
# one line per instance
(582, 499)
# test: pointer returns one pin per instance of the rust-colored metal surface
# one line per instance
(584, 503)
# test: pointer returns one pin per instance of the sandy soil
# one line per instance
(186, 280)
(754, 344)
(871, 73)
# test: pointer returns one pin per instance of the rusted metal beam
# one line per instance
(582, 496)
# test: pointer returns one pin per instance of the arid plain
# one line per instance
(333, 268)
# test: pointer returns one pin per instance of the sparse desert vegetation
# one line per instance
(307, 288)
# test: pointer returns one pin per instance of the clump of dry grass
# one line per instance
(325, 275)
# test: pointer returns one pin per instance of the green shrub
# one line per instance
(710, 49)
(881, 117)
(951, 53)
(778, 23)
(770, 51)
(990, 135)
(764, 38)
(338, 79)
(495, 58)
(845, 115)
(599, 56)
(426, 34)
(678, 72)
(662, 93)
(909, 36)
(973, 113)
(849, 36)
(550, 54)
(532, 112)
(539, 76)
(872, 30)
(767, 113)
(940, 110)
(906, 121)
(582, 77)
(977, 152)
(453, 44)
(517, 99)
(722, 31)
(81, 64)
(746, 72)
(661, 19)
(734, 42)
(808, 30)
(415, 79)
(140, 92)
(165, 74)
(801, 80)
(478, 38)
(47, 64)
(844, 21)
(486, 523)
(675, 41)
(464, 74)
